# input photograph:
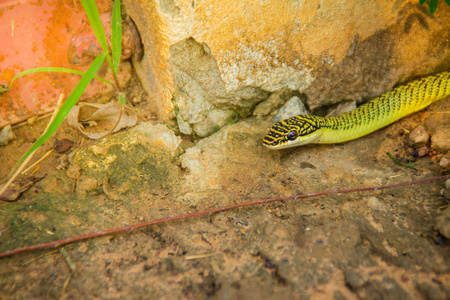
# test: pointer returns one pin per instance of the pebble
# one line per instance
(63, 162)
(418, 137)
(273, 102)
(445, 162)
(354, 279)
(6, 135)
(375, 203)
(421, 152)
(293, 107)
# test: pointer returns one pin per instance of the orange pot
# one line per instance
(38, 34)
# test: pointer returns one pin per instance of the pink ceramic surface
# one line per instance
(37, 33)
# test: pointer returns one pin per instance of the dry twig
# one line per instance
(207, 213)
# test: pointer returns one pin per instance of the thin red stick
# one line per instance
(206, 212)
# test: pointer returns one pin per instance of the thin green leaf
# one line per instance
(66, 107)
(116, 35)
(433, 5)
(394, 159)
(94, 18)
(398, 162)
(53, 69)
(422, 1)
(122, 99)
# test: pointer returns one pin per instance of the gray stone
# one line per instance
(216, 119)
(293, 107)
(354, 279)
(273, 102)
(202, 103)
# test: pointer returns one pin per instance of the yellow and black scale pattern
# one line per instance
(376, 114)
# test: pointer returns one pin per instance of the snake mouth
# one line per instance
(271, 142)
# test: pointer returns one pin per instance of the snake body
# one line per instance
(367, 118)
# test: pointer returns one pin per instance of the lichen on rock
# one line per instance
(144, 155)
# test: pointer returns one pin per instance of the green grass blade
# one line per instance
(398, 162)
(66, 107)
(433, 5)
(94, 18)
(122, 99)
(53, 69)
(422, 1)
(116, 35)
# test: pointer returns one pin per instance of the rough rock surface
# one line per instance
(443, 223)
(380, 244)
(206, 62)
(328, 50)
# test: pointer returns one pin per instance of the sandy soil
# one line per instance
(373, 245)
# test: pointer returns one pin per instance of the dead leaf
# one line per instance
(62, 145)
(105, 118)
(17, 188)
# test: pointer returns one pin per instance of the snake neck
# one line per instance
(385, 109)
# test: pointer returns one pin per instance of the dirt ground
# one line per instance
(372, 245)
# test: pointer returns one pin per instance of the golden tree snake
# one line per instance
(375, 114)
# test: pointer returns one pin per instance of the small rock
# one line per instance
(446, 193)
(6, 135)
(74, 171)
(63, 145)
(183, 126)
(136, 100)
(32, 120)
(376, 204)
(216, 119)
(274, 101)
(63, 162)
(421, 152)
(443, 223)
(418, 137)
(354, 279)
(445, 162)
(293, 107)
(441, 139)
(342, 108)
(447, 184)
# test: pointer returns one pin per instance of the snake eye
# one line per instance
(292, 135)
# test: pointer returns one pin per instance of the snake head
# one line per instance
(292, 132)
